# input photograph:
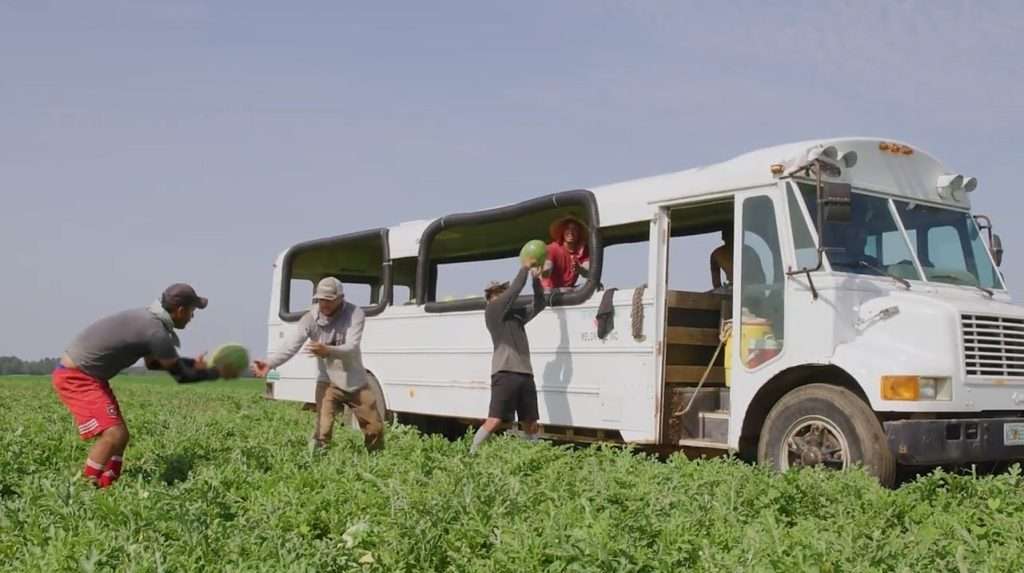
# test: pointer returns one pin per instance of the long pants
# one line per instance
(330, 400)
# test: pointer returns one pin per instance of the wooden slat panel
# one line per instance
(690, 318)
(694, 300)
(695, 336)
(689, 355)
(692, 374)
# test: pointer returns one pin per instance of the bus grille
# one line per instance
(993, 346)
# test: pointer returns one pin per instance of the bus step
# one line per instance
(683, 405)
(714, 426)
(706, 444)
(723, 399)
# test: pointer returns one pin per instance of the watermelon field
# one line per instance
(218, 479)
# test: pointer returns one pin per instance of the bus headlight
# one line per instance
(916, 388)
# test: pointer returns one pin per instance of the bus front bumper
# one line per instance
(953, 441)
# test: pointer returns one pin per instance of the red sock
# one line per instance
(92, 471)
(114, 466)
(112, 472)
(106, 480)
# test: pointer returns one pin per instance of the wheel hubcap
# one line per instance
(812, 441)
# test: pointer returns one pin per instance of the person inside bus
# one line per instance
(721, 261)
(568, 258)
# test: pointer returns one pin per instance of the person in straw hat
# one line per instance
(568, 256)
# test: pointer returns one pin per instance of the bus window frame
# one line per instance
(426, 269)
(284, 300)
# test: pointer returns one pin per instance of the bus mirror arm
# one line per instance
(834, 205)
(995, 243)
(806, 271)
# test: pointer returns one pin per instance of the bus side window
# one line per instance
(625, 265)
(762, 283)
(358, 260)
(359, 294)
(403, 291)
(301, 294)
(466, 280)
(462, 252)
(402, 295)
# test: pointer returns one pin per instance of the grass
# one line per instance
(219, 479)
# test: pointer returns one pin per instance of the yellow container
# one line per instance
(751, 332)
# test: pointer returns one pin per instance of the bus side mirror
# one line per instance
(835, 202)
(997, 249)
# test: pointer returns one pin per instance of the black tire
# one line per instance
(450, 428)
(821, 424)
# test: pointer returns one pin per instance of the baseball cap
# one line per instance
(329, 288)
(181, 294)
(495, 285)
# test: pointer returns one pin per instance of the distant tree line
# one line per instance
(15, 365)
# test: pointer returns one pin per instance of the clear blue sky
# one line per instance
(146, 143)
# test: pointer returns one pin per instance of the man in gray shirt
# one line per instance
(107, 347)
(513, 391)
(334, 331)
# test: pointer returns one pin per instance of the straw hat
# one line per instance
(556, 229)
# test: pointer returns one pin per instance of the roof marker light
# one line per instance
(895, 148)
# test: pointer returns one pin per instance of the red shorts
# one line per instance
(90, 400)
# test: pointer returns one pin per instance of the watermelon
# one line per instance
(231, 359)
(535, 251)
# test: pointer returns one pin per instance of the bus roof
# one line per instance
(900, 168)
(913, 175)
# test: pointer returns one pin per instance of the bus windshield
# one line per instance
(871, 243)
(948, 245)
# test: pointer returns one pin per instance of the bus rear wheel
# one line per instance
(825, 425)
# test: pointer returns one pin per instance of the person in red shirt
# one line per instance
(568, 258)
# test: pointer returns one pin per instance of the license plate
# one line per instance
(1013, 434)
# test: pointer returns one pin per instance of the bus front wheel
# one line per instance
(829, 426)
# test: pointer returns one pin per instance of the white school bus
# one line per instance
(866, 322)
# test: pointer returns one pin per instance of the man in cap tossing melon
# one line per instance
(334, 331)
(513, 391)
(107, 347)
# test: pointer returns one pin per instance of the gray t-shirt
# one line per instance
(342, 333)
(114, 343)
(506, 325)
